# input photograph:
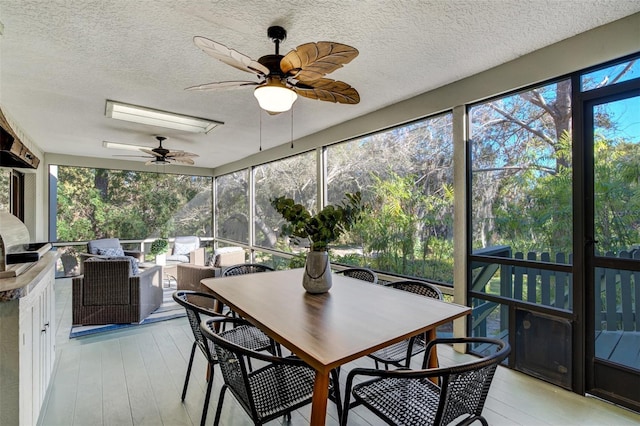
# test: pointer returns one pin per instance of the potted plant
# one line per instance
(159, 249)
(320, 229)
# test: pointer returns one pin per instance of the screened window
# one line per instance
(232, 206)
(406, 176)
(100, 203)
(521, 163)
(610, 75)
(294, 177)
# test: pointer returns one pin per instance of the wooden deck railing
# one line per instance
(618, 305)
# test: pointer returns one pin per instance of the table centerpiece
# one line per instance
(320, 229)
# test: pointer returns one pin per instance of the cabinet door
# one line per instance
(30, 326)
(37, 345)
(47, 348)
(26, 364)
(36, 364)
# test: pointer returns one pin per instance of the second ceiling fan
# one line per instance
(161, 155)
(282, 78)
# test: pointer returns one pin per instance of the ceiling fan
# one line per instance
(161, 155)
(282, 78)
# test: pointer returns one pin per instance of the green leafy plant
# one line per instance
(324, 227)
(159, 246)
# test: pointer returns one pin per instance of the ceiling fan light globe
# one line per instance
(275, 98)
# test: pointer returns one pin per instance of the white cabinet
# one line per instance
(37, 352)
(27, 338)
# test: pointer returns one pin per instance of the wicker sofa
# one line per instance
(108, 293)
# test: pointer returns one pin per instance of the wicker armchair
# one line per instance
(187, 250)
(108, 294)
(245, 336)
(188, 277)
(96, 247)
(363, 274)
(246, 268)
(460, 394)
(399, 354)
(274, 390)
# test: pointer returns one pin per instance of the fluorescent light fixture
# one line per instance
(117, 145)
(275, 96)
(154, 117)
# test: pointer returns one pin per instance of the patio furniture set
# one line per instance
(117, 286)
(274, 306)
(265, 312)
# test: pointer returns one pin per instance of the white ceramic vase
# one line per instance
(317, 272)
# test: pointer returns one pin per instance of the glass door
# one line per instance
(612, 136)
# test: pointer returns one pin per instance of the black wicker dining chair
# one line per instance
(364, 274)
(245, 268)
(280, 386)
(412, 397)
(399, 354)
(246, 336)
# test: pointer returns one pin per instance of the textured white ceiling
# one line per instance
(60, 60)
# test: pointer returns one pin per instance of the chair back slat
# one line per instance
(246, 268)
(234, 371)
(422, 288)
(182, 297)
(363, 274)
(410, 397)
(465, 393)
(279, 386)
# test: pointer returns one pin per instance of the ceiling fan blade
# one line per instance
(223, 85)
(230, 56)
(329, 90)
(181, 154)
(150, 152)
(184, 160)
(312, 61)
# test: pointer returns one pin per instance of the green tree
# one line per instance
(97, 203)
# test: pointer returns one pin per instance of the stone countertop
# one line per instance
(16, 287)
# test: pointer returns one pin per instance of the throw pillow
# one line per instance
(182, 249)
(116, 251)
(135, 268)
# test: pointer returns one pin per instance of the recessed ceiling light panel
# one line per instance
(154, 117)
(125, 146)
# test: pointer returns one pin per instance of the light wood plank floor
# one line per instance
(135, 376)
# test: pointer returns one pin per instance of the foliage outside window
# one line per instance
(294, 177)
(406, 175)
(521, 199)
(130, 205)
(617, 177)
(521, 161)
(5, 189)
(232, 206)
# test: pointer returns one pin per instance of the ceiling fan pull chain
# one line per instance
(292, 128)
(260, 112)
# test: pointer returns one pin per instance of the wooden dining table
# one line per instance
(353, 319)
